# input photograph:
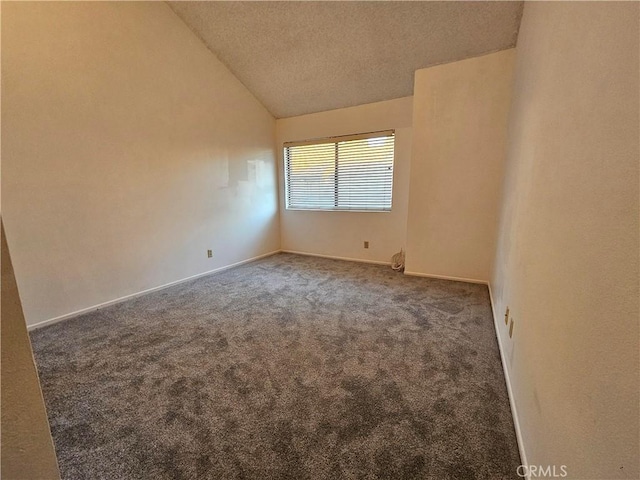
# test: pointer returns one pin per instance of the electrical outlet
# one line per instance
(209, 253)
(506, 317)
(366, 244)
(511, 329)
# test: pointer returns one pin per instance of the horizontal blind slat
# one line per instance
(360, 178)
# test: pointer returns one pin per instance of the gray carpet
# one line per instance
(290, 367)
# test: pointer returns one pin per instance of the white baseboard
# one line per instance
(514, 411)
(445, 277)
(143, 292)
(333, 257)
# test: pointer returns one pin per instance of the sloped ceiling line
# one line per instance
(305, 57)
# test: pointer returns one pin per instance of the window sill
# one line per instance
(335, 210)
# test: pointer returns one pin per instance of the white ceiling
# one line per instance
(304, 57)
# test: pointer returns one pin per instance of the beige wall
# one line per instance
(27, 447)
(128, 151)
(342, 234)
(567, 260)
(459, 136)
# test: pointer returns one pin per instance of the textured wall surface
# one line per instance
(342, 234)
(567, 262)
(459, 138)
(27, 448)
(128, 151)
(305, 57)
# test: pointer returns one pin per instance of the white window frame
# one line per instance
(335, 141)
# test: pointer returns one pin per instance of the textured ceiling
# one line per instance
(304, 57)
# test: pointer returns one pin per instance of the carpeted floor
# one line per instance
(290, 367)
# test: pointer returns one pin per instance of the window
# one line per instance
(353, 172)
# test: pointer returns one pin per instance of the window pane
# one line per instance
(353, 174)
(311, 176)
(365, 173)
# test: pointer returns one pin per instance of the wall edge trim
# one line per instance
(507, 378)
(115, 301)
(333, 257)
(446, 277)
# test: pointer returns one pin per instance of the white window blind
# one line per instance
(353, 172)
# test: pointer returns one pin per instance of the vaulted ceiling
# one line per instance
(304, 57)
